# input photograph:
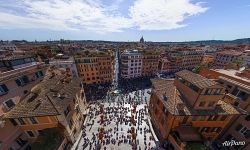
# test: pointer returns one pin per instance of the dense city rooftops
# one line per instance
(138, 52)
(230, 52)
(172, 99)
(196, 79)
(92, 53)
(50, 97)
(14, 57)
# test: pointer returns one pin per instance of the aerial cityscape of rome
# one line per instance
(124, 75)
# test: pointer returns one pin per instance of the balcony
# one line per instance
(22, 141)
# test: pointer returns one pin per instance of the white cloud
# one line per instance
(93, 15)
(163, 14)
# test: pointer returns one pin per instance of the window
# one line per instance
(205, 129)
(244, 131)
(202, 104)
(3, 89)
(165, 111)
(30, 133)
(213, 118)
(208, 92)
(217, 91)
(21, 121)
(77, 109)
(236, 104)
(40, 132)
(66, 112)
(242, 95)
(158, 102)
(74, 131)
(247, 118)
(9, 103)
(39, 74)
(193, 87)
(185, 119)
(22, 81)
(13, 122)
(229, 86)
(33, 120)
(70, 124)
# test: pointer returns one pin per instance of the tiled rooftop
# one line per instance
(172, 98)
(230, 52)
(44, 99)
(17, 57)
(196, 79)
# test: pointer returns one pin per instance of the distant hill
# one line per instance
(213, 42)
(203, 42)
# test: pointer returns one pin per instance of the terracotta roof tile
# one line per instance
(43, 100)
(196, 79)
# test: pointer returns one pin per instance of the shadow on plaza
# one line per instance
(99, 91)
(96, 91)
(129, 85)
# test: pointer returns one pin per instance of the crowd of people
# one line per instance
(119, 121)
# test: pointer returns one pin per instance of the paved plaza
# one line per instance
(118, 123)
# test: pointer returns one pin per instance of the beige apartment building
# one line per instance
(17, 76)
(95, 67)
(178, 59)
(225, 58)
(150, 63)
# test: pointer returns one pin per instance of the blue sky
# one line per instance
(124, 20)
